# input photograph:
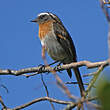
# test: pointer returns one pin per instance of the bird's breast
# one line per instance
(44, 29)
(49, 40)
(53, 47)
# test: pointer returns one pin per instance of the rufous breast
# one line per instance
(44, 29)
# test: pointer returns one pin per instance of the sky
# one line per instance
(20, 46)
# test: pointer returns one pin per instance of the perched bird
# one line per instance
(56, 40)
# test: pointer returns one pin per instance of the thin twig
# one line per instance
(93, 105)
(105, 9)
(47, 92)
(77, 83)
(73, 105)
(42, 99)
(3, 86)
(2, 103)
(29, 75)
(89, 74)
(94, 79)
(68, 103)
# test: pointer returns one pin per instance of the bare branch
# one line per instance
(2, 103)
(91, 84)
(89, 74)
(3, 86)
(45, 86)
(69, 104)
(42, 99)
(93, 105)
(77, 83)
(105, 9)
(73, 105)
(104, 5)
(43, 69)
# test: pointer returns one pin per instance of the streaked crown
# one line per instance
(46, 16)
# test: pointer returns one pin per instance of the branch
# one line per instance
(73, 105)
(42, 99)
(2, 103)
(105, 9)
(68, 103)
(43, 69)
(45, 86)
(97, 73)
(104, 5)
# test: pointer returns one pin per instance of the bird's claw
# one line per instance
(42, 67)
(57, 68)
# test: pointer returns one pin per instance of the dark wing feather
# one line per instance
(65, 41)
(67, 44)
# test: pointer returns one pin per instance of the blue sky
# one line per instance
(20, 46)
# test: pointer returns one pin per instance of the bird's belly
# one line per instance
(54, 49)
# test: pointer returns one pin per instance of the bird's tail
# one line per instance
(79, 80)
(69, 72)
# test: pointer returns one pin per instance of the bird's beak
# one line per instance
(35, 20)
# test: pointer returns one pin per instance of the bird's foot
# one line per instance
(57, 67)
(42, 67)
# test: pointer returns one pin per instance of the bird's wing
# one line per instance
(65, 40)
(67, 44)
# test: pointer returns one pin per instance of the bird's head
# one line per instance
(45, 17)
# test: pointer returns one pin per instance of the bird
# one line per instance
(57, 42)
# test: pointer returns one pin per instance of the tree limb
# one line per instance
(73, 105)
(47, 92)
(42, 99)
(97, 73)
(43, 69)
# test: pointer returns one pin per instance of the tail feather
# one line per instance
(69, 72)
(79, 79)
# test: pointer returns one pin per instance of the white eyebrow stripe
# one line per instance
(46, 14)
(43, 14)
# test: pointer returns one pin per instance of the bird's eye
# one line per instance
(42, 16)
